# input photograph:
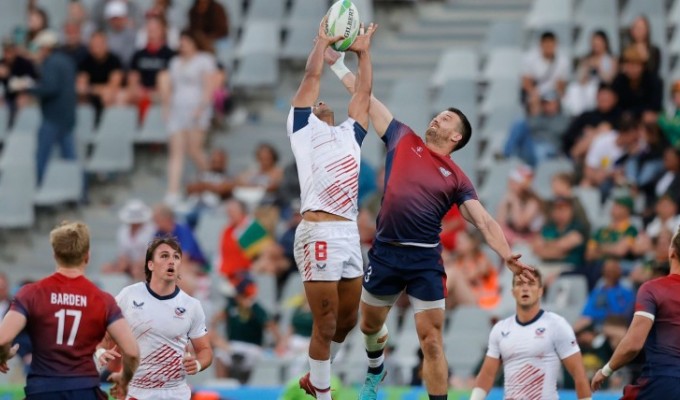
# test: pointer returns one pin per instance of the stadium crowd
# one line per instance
(609, 121)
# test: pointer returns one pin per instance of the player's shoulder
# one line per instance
(138, 288)
(554, 319)
(189, 302)
(504, 323)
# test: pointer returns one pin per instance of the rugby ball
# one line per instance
(343, 19)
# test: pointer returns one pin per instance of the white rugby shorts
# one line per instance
(328, 251)
(182, 392)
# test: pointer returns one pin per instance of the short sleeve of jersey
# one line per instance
(298, 118)
(466, 190)
(197, 328)
(564, 339)
(113, 311)
(354, 126)
(645, 304)
(394, 132)
(494, 350)
(21, 302)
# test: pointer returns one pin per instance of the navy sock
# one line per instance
(373, 356)
(438, 396)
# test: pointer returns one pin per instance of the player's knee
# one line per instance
(431, 344)
(325, 327)
(370, 326)
(346, 324)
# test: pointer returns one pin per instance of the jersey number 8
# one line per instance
(320, 251)
(61, 319)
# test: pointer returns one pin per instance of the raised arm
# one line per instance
(308, 92)
(473, 212)
(358, 106)
(378, 113)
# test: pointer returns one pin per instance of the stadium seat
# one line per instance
(209, 229)
(112, 154)
(259, 37)
(503, 92)
(500, 120)
(456, 63)
(590, 199)
(655, 11)
(63, 182)
(113, 283)
(17, 187)
(11, 12)
(674, 14)
(568, 291)
(299, 40)
(496, 183)
(466, 338)
(504, 63)
(592, 12)
(85, 131)
(117, 122)
(27, 120)
(292, 287)
(548, 12)
(410, 101)
(265, 11)
(306, 11)
(501, 34)
(365, 8)
(18, 150)
(4, 120)
(57, 11)
(545, 171)
(234, 9)
(266, 292)
(457, 92)
(267, 372)
(153, 129)
(257, 71)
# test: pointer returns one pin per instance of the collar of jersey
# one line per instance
(531, 321)
(166, 297)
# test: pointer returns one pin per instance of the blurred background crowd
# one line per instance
(576, 152)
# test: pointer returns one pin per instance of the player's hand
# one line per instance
(323, 38)
(331, 56)
(598, 380)
(519, 268)
(4, 368)
(119, 388)
(363, 41)
(190, 364)
(108, 355)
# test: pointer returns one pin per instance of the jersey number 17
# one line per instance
(61, 322)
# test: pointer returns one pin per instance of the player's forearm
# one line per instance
(130, 364)
(204, 357)
(314, 66)
(493, 234)
(582, 388)
(625, 352)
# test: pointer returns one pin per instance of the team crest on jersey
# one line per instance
(417, 150)
(179, 311)
(540, 332)
(445, 172)
(137, 305)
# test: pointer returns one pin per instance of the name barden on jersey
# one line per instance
(68, 299)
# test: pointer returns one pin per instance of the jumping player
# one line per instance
(421, 184)
(530, 345)
(66, 316)
(327, 249)
(656, 327)
(164, 319)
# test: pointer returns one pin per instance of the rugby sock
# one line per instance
(437, 396)
(320, 377)
(335, 348)
(376, 360)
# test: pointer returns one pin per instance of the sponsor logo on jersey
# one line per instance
(445, 172)
(417, 150)
(137, 305)
(179, 311)
(540, 332)
(320, 266)
(505, 334)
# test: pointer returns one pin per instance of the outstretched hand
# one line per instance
(323, 38)
(363, 41)
(520, 269)
(598, 380)
(4, 368)
(119, 387)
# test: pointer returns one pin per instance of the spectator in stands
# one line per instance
(639, 90)
(56, 92)
(669, 183)
(471, 276)
(208, 21)
(77, 14)
(147, 64)
(665, 223)
(234, 261)
(287, 241)
(644, 165)
(268, 174)
(98, 13)
(215, 184)
(246, 323)
(597, 67)
(583, 129)
(289, 189)
(537, 137)
(159, 9)
(193, 260)
(73, 43)
(133, 238)
(25, 35)
(616, 240)
(639, 38)
(609, 299)
(670, 122)
(563, 238)
(16, 74)
(100, 75)
(120, 31)
(544, 70)
(452, 223)
(520, 212)
(603, 160)
(187, 99)
(561, 185)
(595, 349)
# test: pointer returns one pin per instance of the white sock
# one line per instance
(335, 348)
(320, 376)
(376, 362)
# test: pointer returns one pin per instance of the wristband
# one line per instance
(198, 366)
(478, 394)
(607, 371)
(339, 68)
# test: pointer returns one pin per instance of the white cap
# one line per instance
(135, 212)
(46, 38)
(115, 8)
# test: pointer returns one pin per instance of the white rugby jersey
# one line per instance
(531, 354)
(163, 326)
(328, 159)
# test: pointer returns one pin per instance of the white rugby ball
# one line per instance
(343, 19)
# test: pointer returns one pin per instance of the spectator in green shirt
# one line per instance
(615, 240)
(563, 238)
(670, 122)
